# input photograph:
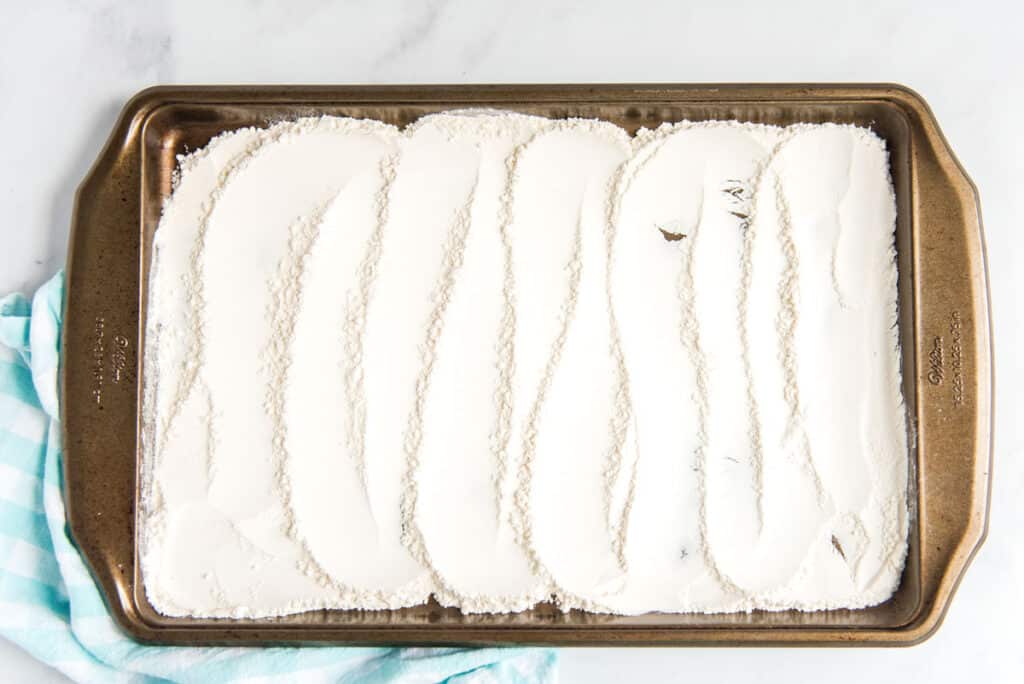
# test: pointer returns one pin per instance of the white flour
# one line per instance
(496, 358)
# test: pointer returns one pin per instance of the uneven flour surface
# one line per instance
(500, 359)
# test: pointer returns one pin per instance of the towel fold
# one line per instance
(50, 606)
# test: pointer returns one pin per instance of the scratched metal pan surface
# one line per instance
(943, 303)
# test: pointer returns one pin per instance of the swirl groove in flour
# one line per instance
(623, 414)
(754, 433)
(563, 363)
(193, 283)
(454, 251)
(568, 311)
(506, 351)
(789, 295)
(690, 336)
(750, 225)
(786, 322)
(618, 520)
(840, 225)
(355, 328)
(285, 301)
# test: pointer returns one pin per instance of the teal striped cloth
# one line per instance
(50, 606)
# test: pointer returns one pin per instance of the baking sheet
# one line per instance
(942, 296)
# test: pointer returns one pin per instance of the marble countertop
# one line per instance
(66, 70)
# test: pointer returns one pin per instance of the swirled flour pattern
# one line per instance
(499, 359)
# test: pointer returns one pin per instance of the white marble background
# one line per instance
(67, 67)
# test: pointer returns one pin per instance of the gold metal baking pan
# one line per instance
(943, 303)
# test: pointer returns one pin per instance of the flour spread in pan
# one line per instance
(499, 359)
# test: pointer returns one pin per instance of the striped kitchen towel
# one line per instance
(50, 606)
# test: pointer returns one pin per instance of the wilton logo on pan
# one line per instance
(936, 373)
(118, 358)
(936, 362)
